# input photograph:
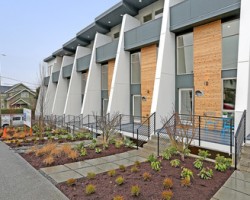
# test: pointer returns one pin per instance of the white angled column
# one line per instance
(243, 73)
(73, 102)
(51, 91)
(92, 95)
(62, 88)
(163, 102)
(119, 100)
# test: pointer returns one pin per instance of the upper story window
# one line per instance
(230, 43)
(136, 68)
(158, 13)
(24, 95)
(117, 35)
(185, 54)
(147, 18)
(104, 77)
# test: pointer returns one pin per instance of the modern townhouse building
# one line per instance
(153, 56)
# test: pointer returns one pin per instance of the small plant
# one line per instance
(118, 144)
(198, 164)
(137, 163)
(204, 154)
(128, 143)
(73, 154)
(98, 150)
(166, 155)
(91, 175)
(134, 169)
(71, 182)
(79, 146)
(66, 148)
(186, 152)
(112, 173)
(92, 146)
(152, 158)
(105, 146)
(146, 176)
(206, 173)
(187, 173)
(186, 182)
(156, 165)
(168, 183)
(119, 180)
(49, 160)
(175, 163)
(122, 168)
(222, 163)
(90, 189)
(135, 190)
(169, 152)
(167, 195)
(83, 152)
(118, 197)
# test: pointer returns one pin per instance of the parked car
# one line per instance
(14, 120)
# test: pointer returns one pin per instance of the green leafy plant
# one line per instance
(122, 168)
(186, 173)
(105, 146)
(119, 180)
(167, 195)
(90, 189)
(186, 152)
(169, 152)
(83, 152)
(156, 165)
(206, 173)
(203, 154)
(146, 176)
(137, 163)
(118, 143)
(186, 182)
(92, 146)
(198, 164)
(98, 150)
(128, 143)
(134, 169)
(175, 163)
(168, 183)
(135, 190)
(88, 136)
(222, 163)
(91, 175)
(118, 197)
(152, 158)
(111, 173)
(71, 182)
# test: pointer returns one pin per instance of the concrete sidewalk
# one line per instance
(20, 181)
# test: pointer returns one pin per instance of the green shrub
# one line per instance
(137, 163)
(122, 168)
(167, 195)
(198, 164)
(98, 150)
(222, 163)
(186, 173)
(135, 190)
(134, 169)
(175, 163)
(112, 173)
(118, 144)
(83, 152)
(206, 173)
(118, 197)
(119, 180)
(152, 158)
(169, 152)
(146, 176)
(71, 182)
(90, 189)
(203, 154)
(128, 143)
(91, 175)
(168, 183)
(156, 165)
(186, 182)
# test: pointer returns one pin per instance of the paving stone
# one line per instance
(144, 154)
(86, 170)
(238, 185)
(64, 176)
(78, 165)
(229, 194)
(134, 152)
(96, 161)
(108, 166)
(124, 162)
(55, 169)
(244, 176)
(112, 158)
(137, 158)
(125, 155)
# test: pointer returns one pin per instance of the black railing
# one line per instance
(145, 130)
(207, 129)
(240, 138)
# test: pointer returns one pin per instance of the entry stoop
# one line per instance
(244, 164)
(151, 147)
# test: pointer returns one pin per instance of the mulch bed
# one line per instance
(106, 187)
(37, 162)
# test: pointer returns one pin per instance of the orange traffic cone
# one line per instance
(4, 133)
(30, 131)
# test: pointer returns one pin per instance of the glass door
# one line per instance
(137, 108)
(186, 101)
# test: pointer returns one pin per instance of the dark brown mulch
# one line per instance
(106, 187)
(37, 162)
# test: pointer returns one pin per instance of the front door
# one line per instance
(186, 101)
(137, 108)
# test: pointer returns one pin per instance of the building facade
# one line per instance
(155, 56)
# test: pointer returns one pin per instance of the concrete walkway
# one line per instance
(80, 169)
(18, 180)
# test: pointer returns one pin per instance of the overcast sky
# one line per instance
(31, 30)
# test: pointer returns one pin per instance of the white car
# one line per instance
(14, 120)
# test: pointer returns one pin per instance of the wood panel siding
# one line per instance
(148, 67)
(207, 68)
(111, 65)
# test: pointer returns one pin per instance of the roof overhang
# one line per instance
(48, 59)
(62, 52)
(73, 43)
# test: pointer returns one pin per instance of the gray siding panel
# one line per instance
(55, 76)
(82, 63)
(106, 52)
(143, 35)
(193, 12)
(135, 89)
(105, 94)
(185, 81)
(67, 70)
(232, 73)
(46, 81)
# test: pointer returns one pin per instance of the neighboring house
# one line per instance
(17, 96)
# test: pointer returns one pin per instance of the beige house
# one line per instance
(17, 96)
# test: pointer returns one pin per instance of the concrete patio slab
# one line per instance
(126, 154)
(55, 169)
(78, 165)
(96, 161)
(108, 166)
(84, 171)
(64, 176)
(137, 158)
(134, 152)
(112, 158)
(238, 185)
(241, 175)
(229, 194)
(124, 162)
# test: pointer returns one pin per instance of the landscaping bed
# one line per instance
(107, 188)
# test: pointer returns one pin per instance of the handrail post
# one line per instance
(137, 140)
(231, 136)
(120, 122)
(88, 120)
(235, 156)
(96, 123)
(199, 130)
(148, 128)
(134, 127)
(245, 126)
(158, 144)
(154, 121)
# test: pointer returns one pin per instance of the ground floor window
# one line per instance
(229, 94)
(104, 106)
(186, 101)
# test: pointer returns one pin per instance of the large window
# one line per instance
(136, 68)
(147, 18)
(185, 54)
(229, 93)
(104, 77)
(186, 101)
(230, 42)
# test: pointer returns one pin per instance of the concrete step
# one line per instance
(244, 162)
(245, 154)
